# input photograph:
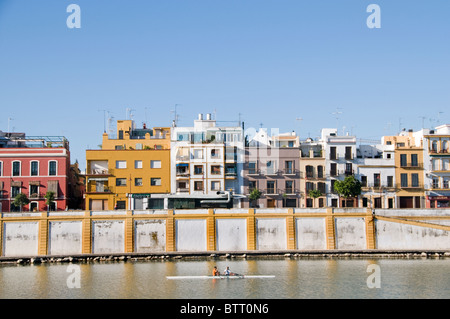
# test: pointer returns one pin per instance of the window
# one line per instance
(1, 168)
(198, 154)
(348, 152)
(404, 180)
(155, 164)
(289, 187)
(34, 191)
(364, 202)
(156, 181)
(434, 146)
(121, 164)
(376, 180)
(321, 187)
(252, 167)
(198, 185)
(52, 168)
(333, 155)
(446, 183)
(414, 161)
(309, 202)
(403, 161)
(271, 167)
(320, 171)
(16, 169)
(215, 185)
(34, 169)
(435, 182)
(121, 182)
(270, 187)
(215, 169)
(309, 171)
(215, 154)
(290, 202)
(15, 190)
(289, 167)
(120, 204)
(137, 164)
(138, 181)
(321, 202)
(309, 186)
(364, 181)
(198, 169)
(348, 169)
(251, 186)
(415, 180)
(390, 181)
(333, 169)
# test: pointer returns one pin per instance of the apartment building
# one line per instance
(206, 159)
(409, 168)
(34, 165)
(272, 165)
(340, 156)
(313, 174)
(130, 170)
(437, 167)
(375, 168)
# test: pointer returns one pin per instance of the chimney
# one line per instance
(200, 116)
(208, 117)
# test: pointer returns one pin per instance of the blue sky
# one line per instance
(272, 61)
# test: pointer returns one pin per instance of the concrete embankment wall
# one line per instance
(112, 232)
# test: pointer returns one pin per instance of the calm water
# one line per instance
(295, 278)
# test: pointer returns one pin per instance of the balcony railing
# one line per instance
(412, 165)
(101, 171)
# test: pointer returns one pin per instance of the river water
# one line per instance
(294, 278)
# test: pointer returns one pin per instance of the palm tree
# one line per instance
(50, 198)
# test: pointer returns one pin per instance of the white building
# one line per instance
(206, 158)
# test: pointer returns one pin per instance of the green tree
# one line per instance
(349, 187)
(255, 195)
(49, 198)
(20, 200)
(314, 193)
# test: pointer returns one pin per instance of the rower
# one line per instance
(216, 271)
(227, 272)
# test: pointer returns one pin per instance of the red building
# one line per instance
(33, 166)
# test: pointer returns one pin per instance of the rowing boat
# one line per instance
(221, 277)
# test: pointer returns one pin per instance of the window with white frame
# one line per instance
(34, 168)
(52, 168)
(16, 168)
(137, 164)
(121, 164)
(155, 164)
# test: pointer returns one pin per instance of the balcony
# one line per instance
(290, 171)
(410, 186)
(411, 165)
(101, 172)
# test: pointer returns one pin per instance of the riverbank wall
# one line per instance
(204, 232)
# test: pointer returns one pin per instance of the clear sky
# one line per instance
(272, 61)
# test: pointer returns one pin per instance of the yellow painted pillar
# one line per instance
(86, 233)
(170, 231)
(370, 230)
(129, 231)
(290, 229)
(251, 230)
(1, 234)
(211, 230)
(330, 229)
(43, 234)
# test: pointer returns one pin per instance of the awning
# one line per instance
(182, 165)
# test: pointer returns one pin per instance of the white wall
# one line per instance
(64, 237)
(350, 233)
(150, 235)
(20, 238)
(231, 234)
(311, 233)
(391, 235)
(108, 236)
(271, 233)
(190, 234)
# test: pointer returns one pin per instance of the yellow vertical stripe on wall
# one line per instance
(87, 228)
(290, 229)
(170, 232)
(129, 240)
(370, 230)
(43, 235)
(251, 230)
(330, 229)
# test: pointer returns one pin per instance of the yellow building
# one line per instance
(128, 170)
(409, 168)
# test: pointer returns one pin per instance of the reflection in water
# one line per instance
(294, 278)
